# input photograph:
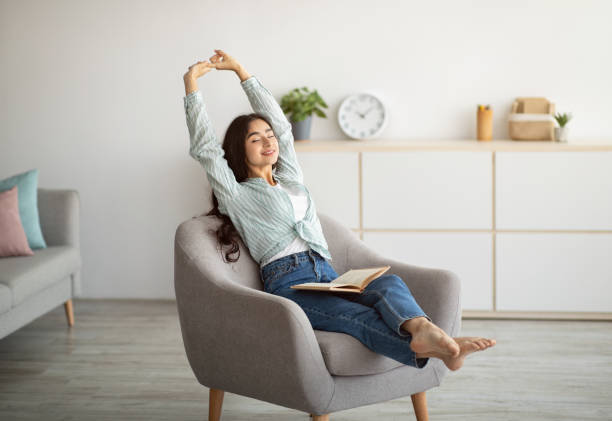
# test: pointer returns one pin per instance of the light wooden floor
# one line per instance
(124, 360)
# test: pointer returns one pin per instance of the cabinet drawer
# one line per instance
(427, 189)
(554, 190)
(554, 272)
(469, 255)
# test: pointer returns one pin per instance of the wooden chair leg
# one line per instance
(320, 417)
(215, 404)
(419, 402)
(69, 312)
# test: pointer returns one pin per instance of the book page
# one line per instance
(327, 286)
(314, 284)
(357, 276)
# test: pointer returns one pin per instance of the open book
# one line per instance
(354, 280)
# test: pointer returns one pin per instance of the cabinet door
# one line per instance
(554, 190)
(427, 189)
(554, 272)
(333, 181)
(469, 255)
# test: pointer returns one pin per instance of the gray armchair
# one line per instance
(241, 339)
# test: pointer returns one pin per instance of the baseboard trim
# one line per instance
(474, 314)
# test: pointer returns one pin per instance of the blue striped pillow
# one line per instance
(27, 188)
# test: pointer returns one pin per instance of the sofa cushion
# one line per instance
(26, 275)
(345, 355)
(6, 298)
(27, 184)
(13, 241)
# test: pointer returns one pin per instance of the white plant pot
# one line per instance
(561, 134)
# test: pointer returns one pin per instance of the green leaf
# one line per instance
(320, 113)
(302, 102)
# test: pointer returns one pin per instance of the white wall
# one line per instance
(91, 93)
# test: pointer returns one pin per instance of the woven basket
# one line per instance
(532, 119)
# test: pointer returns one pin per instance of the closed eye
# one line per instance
(269, 137)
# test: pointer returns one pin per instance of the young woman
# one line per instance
(259, 194)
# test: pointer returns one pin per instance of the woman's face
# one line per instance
(260, 139)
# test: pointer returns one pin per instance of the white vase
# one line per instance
(561, 134)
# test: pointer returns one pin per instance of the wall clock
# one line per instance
(362, 116)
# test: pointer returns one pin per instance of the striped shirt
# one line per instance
(300, 204)
(262, 214)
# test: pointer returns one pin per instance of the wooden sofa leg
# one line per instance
(419, 402)
(69, 312)
(215, 404)
(320, 417)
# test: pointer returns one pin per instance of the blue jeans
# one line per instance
(373, 317)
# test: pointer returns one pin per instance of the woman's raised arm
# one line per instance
(204, 146)
(263, 102)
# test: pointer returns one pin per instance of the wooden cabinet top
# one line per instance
(367, 145)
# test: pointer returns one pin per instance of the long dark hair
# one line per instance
(235, 155)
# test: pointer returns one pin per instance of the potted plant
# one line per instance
(561, 131)
(300, 104)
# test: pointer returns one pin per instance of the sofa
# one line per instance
(31, 286)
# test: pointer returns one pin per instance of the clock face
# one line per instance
(362, 116)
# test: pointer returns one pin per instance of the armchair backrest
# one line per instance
(198, 238)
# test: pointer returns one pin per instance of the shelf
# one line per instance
(368, 145)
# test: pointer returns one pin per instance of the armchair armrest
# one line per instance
(437, 291)
(246, 341)
(59, 216)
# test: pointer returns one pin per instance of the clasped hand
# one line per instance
(220, 61)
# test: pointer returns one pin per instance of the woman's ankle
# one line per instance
(413, 325)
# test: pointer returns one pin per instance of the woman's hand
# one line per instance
(198, 69)
(223, 61)
(195, 71)
(220, 61)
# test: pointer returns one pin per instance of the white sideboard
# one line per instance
(526, 225)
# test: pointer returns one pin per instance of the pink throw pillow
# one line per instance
(13, 240)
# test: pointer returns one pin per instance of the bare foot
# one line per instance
(429, 338)
(467, 345)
